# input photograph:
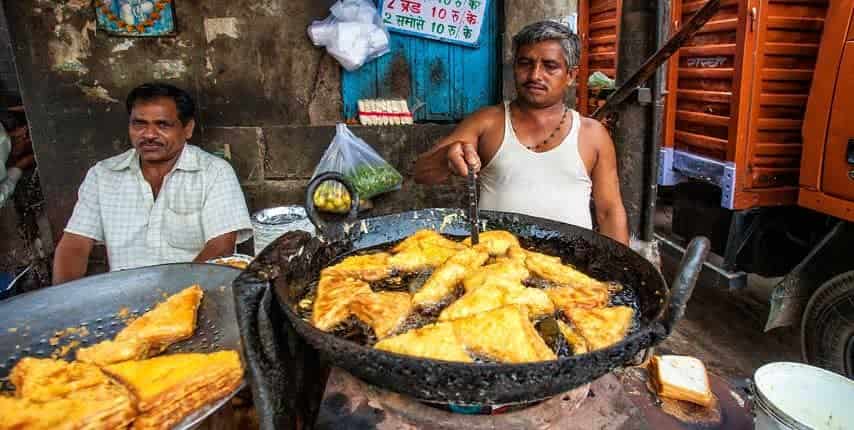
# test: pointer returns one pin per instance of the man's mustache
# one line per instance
(534, 84)
(151, 142)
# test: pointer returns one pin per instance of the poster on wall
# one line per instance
(452, 21)
(136, 18)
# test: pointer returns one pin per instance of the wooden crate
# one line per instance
(737, 92)
(599, 30)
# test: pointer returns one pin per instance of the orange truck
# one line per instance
(758, 155)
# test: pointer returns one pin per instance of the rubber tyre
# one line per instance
(827, 326)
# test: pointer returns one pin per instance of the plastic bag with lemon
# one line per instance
(332, 197)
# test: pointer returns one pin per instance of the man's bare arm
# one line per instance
(455, 152)
(219, 246)
(610, 212)
(71, 258)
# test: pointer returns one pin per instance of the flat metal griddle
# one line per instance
(89, 310)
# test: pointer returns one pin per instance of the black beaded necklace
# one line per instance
(559, 126)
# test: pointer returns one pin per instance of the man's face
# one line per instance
(156, 132)
(541, 73)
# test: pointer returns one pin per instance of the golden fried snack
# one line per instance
(169, 322)
(105, 406)
(445, 279)
(504, 334)
(44, 379)
(369, 267)
(332, 305)
(159, 382)
(384, 311)
(496, 293)
(109, 352)
(551, 269)
(435, 341)
(602, 327)
(509, 270)
(498, 242)
(425, 249)
(578, 344)
(588, 297)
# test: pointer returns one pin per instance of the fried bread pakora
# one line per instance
(509, 270)
(332, 305)
(44, 379)
(384, 311)
(157, 381)
(552, 269)
(435, 341)
(170, 321)
(497, 242)
(445, 279)
(498, 292)
(578, 344)
(105, 406)
(369, 267)
(588, 297)
(424, 250)
(504, 334)
(602, 327)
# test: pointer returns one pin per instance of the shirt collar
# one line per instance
(187, 161)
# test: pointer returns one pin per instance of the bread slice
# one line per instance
(682, 378)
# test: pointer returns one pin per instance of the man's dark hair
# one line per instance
(155, 90)
(549, 30)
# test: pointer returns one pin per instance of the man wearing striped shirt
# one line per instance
(162, 201)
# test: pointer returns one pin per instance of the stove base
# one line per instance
(350, 403)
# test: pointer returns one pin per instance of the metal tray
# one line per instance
(55, 321)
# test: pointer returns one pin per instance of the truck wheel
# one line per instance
(827, 327)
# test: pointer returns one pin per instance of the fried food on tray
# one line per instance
(109, 351)
(496, 241)
(44, 379)
(496, 293)
(508, 270)
(445, 279)
(332, 305)
(169, 322)
(425, 249)
(578, 344)
(369, 267)
(504, 334)
(602, 327)
(384, 311)
(435, 341)
(167, 388)
(568, 298)
(104, 406)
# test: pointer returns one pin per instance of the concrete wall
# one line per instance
(9, 91)
(260, 85)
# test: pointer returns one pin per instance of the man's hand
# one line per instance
(220, 246)
(461, 157)
(71, 258)
(25, 162)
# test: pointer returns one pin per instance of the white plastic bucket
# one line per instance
(269, 224)
(797, 396)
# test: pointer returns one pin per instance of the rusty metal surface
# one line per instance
(731, 410)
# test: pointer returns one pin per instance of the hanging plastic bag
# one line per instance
(601, 81)
(360, 164)
(354, 34)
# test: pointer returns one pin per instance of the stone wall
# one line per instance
(260, 86)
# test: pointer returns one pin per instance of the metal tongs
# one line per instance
(473, 211)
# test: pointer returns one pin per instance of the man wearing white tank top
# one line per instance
(533, 155)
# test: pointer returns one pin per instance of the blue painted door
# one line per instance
(441, 81)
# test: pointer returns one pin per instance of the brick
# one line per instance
(247, 149)
(268, 194)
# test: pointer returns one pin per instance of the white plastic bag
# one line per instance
(360, 164)
(354, 34)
